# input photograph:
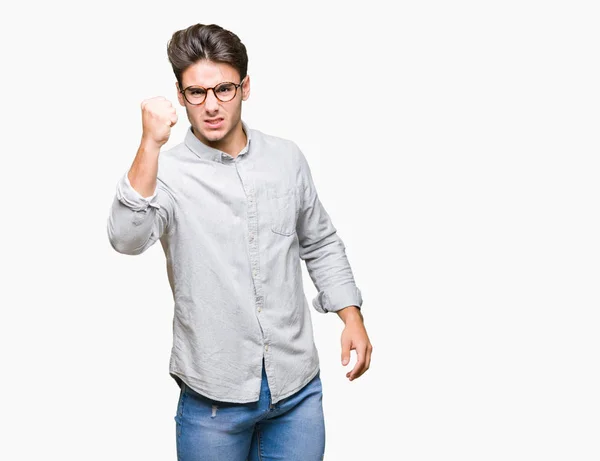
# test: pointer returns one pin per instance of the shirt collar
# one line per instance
(210, 153)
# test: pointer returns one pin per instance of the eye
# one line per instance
(225, 88)
(196, 91)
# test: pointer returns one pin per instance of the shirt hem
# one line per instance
(300, 387)
(177, 375)
(180, 376)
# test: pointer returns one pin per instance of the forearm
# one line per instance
(144, 169)
(350, 314)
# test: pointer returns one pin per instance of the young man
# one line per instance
(236, 210)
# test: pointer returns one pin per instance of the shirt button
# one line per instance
(259, 309)
(254, 273)
(266, 347)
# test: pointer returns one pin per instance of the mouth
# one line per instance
(214, 123)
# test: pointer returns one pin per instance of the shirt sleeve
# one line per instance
(135, 222)
(132, 198)
(322, 249)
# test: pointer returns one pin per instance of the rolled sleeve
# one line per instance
(337, 298)
(135, 223)
(131, 198)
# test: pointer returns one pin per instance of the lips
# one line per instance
(213, 123)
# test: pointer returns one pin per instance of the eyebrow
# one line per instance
(197, 84)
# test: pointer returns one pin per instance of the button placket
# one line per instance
(253, 249)
(252, 236)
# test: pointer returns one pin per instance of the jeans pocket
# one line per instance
(283, 210)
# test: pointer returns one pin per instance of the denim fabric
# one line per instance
(235, 231)
(292, 429)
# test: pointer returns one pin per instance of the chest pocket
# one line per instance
(282, 210)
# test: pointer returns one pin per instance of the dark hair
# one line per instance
(211, 42)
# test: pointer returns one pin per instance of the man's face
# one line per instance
(226, 114)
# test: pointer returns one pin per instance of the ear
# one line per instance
(246, 88)
(179, 95)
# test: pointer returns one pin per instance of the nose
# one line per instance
(211, 102)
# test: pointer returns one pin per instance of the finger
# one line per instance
(369, 352)
(367, 359)
(346, 343)
(361, 354)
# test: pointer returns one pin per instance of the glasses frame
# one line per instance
(236, 85)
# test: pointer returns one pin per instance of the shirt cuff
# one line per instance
(336, 298)
(131, 198)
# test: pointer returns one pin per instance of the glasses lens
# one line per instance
(225, 91)
(195, 95)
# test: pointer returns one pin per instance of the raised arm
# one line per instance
(142, 209)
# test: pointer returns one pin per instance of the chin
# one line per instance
(211, 136)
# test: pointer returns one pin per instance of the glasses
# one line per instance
(224, 92)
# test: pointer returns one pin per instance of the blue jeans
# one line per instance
(292, 430)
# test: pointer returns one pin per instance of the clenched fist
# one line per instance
(158, 116)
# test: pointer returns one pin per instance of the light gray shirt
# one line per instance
(234, 231)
